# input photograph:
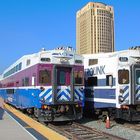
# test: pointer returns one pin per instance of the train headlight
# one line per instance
(121, 91)
(77, 105)
(44, 106)
(42, 88)
(121, 99)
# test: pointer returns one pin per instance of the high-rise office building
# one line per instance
(95, 29)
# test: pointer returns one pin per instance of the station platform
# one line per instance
(10, 129)
(17, 126)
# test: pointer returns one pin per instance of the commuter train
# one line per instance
(47, 84)
(112, 84)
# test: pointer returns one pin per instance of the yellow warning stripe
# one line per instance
(27, 127)
(43, 130)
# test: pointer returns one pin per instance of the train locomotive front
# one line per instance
(48, 85)
(112, 86)
(63, 98)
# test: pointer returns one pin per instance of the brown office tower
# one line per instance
(95, 29)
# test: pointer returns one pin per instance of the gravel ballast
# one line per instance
(115, 129)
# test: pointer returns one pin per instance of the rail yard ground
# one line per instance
(126, 130)
(77, 130)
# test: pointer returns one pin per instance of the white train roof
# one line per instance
(128, 53)
(57, 56)
(131, 54)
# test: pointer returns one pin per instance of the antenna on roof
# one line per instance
(43, 49)
(134, 48)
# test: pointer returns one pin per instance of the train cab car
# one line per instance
(112, 84)
(48, 84)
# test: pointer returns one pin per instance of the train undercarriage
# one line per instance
(128, 113)
(54, 113)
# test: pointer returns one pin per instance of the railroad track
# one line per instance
(77, 131)
(134, 126)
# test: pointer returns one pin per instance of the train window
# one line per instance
(109, 80)
(22, 82)
(16, 68)
(28, 62)
(78, 61)
(138, 77)
(62, 78)
(92, 81)
(10, 91)
(20, 66)
(45, 59)
(13, 70)
(123, 77)
(44, 76)
(26, 81)
(78, 77)
(92, 62)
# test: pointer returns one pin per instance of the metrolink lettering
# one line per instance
(95, 71)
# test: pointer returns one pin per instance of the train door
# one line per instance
(89, 87)
(136, 84)
(64, 85)
(90, 82)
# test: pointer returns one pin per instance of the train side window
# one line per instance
(28, 62)
(78, 77)
(123, 77)
(92, 62)
(20, 66)
(10, 91)
(92, 81)
(16, 68)
(44, 76)
(26, 81)
(109, 80)
(23, 82)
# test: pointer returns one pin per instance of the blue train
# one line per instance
(48, 84)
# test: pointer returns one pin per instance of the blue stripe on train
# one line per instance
(102, 93)
(92, 105)
(79, 95)
(104, 105)
(126, 92)
(63, 96)
(47, 92)
(126, 88)
(137, 90)
(126, 96)
(138, 97)
(102, 82)
(27, 98)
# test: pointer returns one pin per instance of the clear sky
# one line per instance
(26, 26)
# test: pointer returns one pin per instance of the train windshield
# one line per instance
(63, 76)
(138, 77)
(45, 77)
(123, 77)
(78, 77)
